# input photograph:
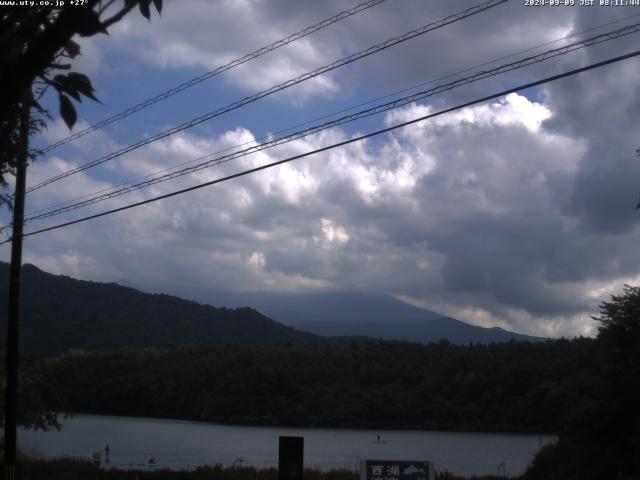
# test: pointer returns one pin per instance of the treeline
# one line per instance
(501, 387)
(588, 390)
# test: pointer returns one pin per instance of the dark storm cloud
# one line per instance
(602, 108)
(513, 213)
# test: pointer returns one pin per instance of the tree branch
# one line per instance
(39, 54)
(105, 7)
(118, 16)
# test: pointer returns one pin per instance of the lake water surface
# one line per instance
(184, 445)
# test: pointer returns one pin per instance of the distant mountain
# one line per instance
(60, 312)
(359, 314)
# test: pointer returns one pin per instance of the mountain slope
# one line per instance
(354, 313)
(60, 312)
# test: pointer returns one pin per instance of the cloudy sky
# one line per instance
(516, 213)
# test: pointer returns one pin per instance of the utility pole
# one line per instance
(15, 271)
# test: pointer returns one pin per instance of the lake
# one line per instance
(184, 445)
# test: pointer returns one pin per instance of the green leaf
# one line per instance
(81, 83)
(72, 49)
(67, 111)
(61, 84)
(158, 4)
(90, 24)
(144, 9)
(57, 85)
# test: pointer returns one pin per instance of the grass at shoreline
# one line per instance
(79, 469)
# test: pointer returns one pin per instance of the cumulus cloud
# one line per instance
(515, 213)
(206, 37)
(463, 214)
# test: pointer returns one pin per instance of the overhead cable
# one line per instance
(246, 100)
(205, 76)
(329, 115)
(605, 37)
(336, 145)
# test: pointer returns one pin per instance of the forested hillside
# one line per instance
(509, 387)
(60, 313)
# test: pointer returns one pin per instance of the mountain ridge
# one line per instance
(60, 313)
(358, 314)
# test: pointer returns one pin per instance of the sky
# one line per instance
(517, 213)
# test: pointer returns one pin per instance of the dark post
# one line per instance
(13, 316)
(290, 462)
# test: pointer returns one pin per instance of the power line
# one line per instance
(205, 76)
(598, 39)
(246, 100)
(340, 144)
(369, 102)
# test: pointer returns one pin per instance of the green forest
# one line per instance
(586, 390)
(502, 387)
(61, 313)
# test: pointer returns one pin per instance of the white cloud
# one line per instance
(333, 235)
(207, 36)
(360, 217)
(506, 214)
(514, 109)
(257, 260)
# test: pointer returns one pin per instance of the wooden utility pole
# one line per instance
(13, 316)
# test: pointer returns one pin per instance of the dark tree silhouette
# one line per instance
(34, 45)
(602, 438)
(619, 337)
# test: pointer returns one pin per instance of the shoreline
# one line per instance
(134, 440)
(80, 469)
(266, 424)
